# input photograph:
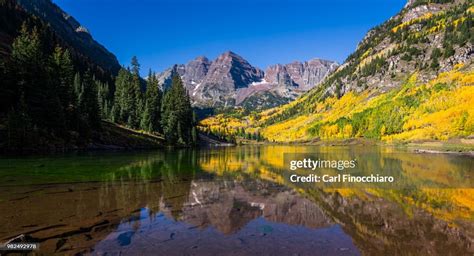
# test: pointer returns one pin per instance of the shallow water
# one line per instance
(237, 201)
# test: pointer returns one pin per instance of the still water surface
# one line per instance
(237, 201)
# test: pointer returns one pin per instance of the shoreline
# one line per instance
(452, 146)
(430, 151)
(135, 141)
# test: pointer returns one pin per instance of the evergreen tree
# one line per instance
(151, 116)
(128, 99)
(434, 58)
(136, 93)
(63, 77)
(63, 70)
(77, 84)
(194, 133)
(145, 123)
(88, 103)
(33, 82)
(103, 97)
(130, 104)
(135, 65)
(449, 51)
(177, 114)
(120, 109)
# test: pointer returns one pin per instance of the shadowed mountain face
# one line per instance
(72, 33)
(230, 81)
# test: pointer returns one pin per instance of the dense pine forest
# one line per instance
(50, 100)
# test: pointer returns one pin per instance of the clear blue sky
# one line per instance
(164, 32)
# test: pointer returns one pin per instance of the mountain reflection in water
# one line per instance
(234, 218)
(235, 201)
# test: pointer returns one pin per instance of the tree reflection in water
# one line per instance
(239, 200)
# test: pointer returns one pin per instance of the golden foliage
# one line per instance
(442, 109)
(419, 173)
(412, 21)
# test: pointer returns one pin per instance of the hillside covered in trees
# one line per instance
(410, 79)
(52, 99)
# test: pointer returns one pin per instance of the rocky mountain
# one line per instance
(227, 75)
(409, 79)
(230, 80)
(72, 33)
(425, 36)
(305, 75)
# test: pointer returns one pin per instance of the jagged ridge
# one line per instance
(230, 81)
